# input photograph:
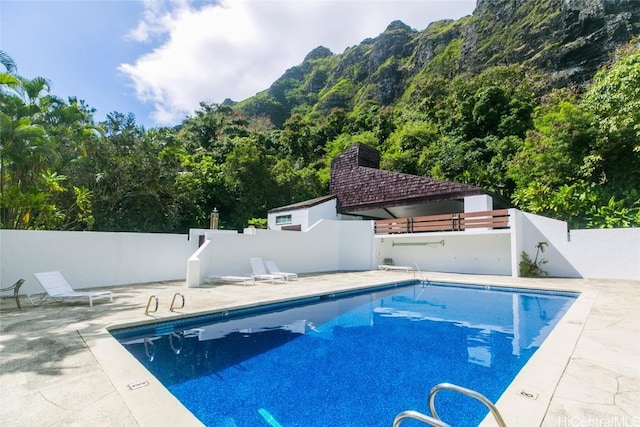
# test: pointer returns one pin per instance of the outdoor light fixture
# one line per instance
(439, 242)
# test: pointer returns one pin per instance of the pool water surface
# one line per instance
(349, 359)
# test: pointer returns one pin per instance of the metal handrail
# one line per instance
(149, 349)
(415, 415)
(174, 300)
(466, 392)
(175, 349)
(152, 297)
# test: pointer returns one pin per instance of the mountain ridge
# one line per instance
(565, 40)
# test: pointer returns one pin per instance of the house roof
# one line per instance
(303, 204)
(363, 189)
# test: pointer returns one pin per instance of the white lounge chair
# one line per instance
(385, 267)
(57, 288)
(242, 279)
(272, 268)
(260, 271)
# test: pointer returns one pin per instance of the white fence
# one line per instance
(595, 254)
(327, 246)
(95, 259)
(474, 252)
(92, 259)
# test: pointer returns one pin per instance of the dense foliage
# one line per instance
(571, 154)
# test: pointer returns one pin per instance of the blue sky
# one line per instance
(158, 59)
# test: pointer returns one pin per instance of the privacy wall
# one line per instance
(92, 259)
(451, 252)
(595, 254)
(326, 246)
(96, 259)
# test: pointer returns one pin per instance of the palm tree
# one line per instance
(25, 149)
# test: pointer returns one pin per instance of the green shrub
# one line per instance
(532, 268)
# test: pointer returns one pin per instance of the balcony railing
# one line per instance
(448, 222)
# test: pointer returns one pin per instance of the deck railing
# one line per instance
(448, 222)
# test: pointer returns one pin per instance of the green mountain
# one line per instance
(537, 101)
(560, 42)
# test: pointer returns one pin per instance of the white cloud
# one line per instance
(236, 48)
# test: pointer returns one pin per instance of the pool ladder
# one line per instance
(435, 420)
(173, 307)
(173, 301)
(148, 308)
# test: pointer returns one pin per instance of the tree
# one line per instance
(248, 179)
(296, 140)
(565, 171)
(614, 101)
(133, 185)
(25, 149)
(405, 145)
(553, 153)
(213, 128)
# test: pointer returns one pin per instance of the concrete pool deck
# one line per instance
(60, 366)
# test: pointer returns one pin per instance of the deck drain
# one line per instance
(138, 384)
(528, 395)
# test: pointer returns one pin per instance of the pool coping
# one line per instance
(526, 400)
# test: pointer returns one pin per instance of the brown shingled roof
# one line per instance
(360, 185)
(361, 188)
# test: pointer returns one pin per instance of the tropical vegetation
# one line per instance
(571, 153)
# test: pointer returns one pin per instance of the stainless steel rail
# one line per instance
(434, 419)
(173, 301)
(147, 310)
(466, 392)
(415, 415)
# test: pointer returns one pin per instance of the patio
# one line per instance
(60, 366)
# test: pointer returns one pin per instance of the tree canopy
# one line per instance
(568, 153)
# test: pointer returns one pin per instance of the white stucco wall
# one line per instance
(453, 252)
(479, 203)
(326, 211)
(356, 245)
(306, 217)
(607, 253)
(92, 259)
(596, 254)
(326, 246)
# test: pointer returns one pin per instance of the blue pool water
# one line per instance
(352, 359)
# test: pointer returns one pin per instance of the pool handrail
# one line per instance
(173, 301)
(467, 392)
(419, 416)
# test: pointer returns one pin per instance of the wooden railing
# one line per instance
(447, 222)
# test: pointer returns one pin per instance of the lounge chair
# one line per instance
(57, 288)
(260, 271)
(385, 267)
(242, 279)
(272, 268)
(389, 265)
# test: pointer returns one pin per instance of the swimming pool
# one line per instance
(349, 358)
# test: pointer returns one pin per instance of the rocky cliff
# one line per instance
(566, 40)
(570, 39)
